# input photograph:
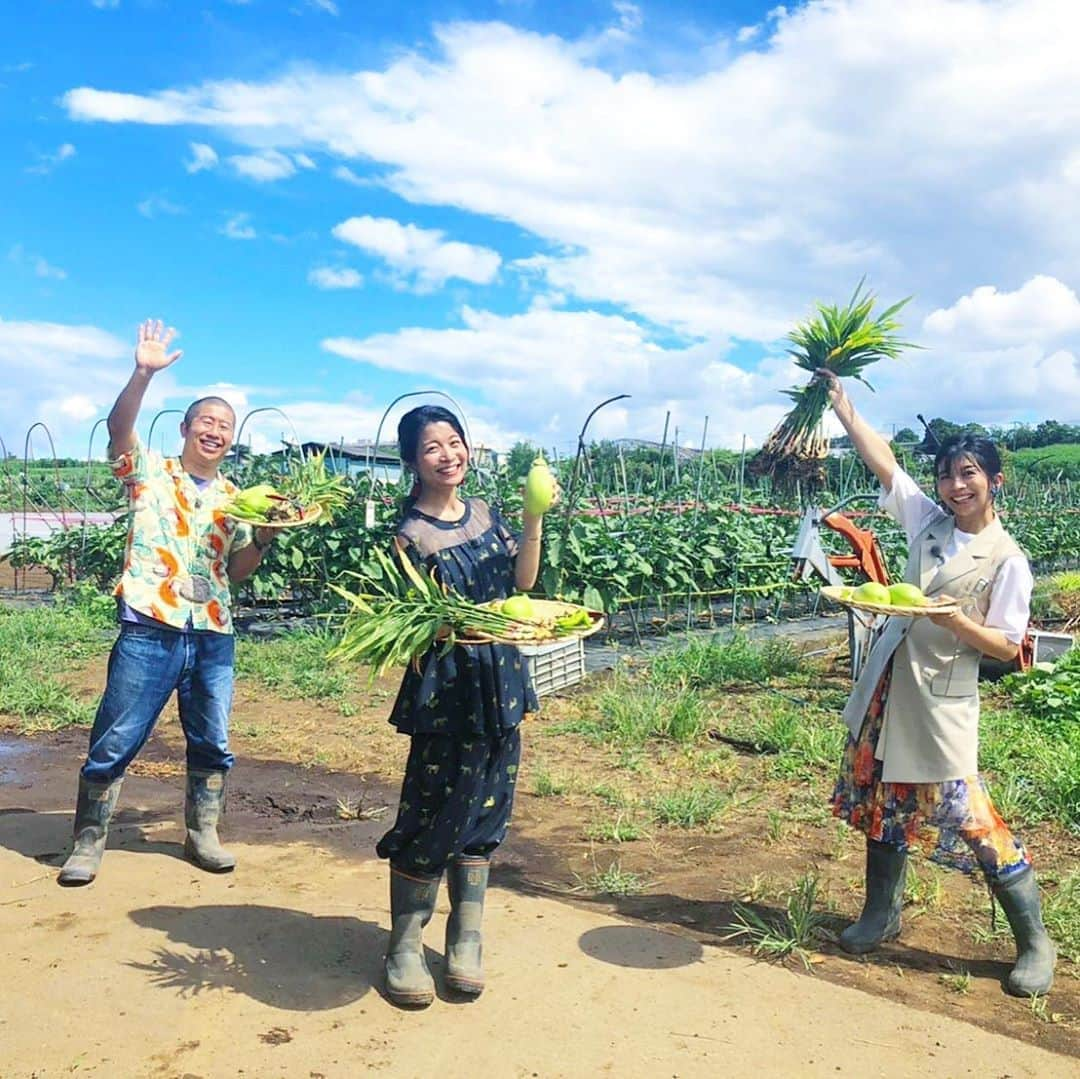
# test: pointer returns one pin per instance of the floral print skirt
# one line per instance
(954, 822)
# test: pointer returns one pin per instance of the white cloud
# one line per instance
(157, 205)
(265, 167)
(46, 369)
(238, 227)
(543, 370)
(748, 33)
(717, 201)
(202, 157)
(105, 5)
(41, 268)
(1041, 309)
(302, 161)
(47, 162)
(327, 6)
(330, 277)
(419, 253)
(343, 172)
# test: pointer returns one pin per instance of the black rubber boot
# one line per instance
(412, 902)
(203, 807)
(1035, 951)
(467, 881)
(94, 808)
(886, 869)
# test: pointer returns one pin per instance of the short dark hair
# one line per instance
(980, 450)
(411, 427)
(193, 408)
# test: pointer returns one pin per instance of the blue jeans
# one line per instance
(145, 666)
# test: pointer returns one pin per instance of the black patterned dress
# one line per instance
(462, 709)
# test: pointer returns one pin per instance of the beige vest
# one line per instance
(930, 730)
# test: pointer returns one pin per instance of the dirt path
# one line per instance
(159, 969)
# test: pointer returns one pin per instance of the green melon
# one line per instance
(906, 595)
(871, 592)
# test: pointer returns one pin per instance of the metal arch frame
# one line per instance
(578, 456)
(153, 422)
(254, 412)
(374, 449)
(26, 476)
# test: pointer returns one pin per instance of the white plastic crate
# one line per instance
(555, 666)
(1050, 646)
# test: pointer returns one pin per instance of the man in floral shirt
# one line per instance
(175, 627)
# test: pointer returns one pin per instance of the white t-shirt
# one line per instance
(1010, 601)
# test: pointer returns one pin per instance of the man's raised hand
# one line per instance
(152, 350)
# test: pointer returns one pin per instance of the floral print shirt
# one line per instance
(178, 543)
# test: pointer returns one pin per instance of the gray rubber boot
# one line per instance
(412, 902)
(203, 807)
(886, 869)
(1035, 951)
(94, 808)
(467, 880)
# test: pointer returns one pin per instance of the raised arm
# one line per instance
(527, 563)
(151, 355)
(876, 453)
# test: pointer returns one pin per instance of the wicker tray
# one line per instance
(538, 633)
(933, 606)
(310, 516)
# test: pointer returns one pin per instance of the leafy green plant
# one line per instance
(1052, 697)
(791, 932)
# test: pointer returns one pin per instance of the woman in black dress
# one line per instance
(461, 710)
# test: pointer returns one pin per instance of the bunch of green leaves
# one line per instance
(400, 614)
(845, 341)
(308, 483)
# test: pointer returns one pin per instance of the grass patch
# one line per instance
(294, 666)
(1034, 773)
(618, 829)
(614, 880)
(721, 661)
(37, 646)
(693, 808)
(630, 714)
(790, 932)
(1061, 916)
(800, 739)
(545, 785)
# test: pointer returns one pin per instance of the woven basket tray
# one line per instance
(836, 594)
(545, 609)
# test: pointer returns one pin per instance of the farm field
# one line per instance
(644, 837)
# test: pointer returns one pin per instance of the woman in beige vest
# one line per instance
(909, 776)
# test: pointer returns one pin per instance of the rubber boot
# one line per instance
(467, 882)
(412, 902)
(203, 807)
(94, 808)
(1035, 951)
(886, 868)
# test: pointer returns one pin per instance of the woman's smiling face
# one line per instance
(968, 491)
(442, 457)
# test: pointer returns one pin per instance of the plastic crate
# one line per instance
(555, 666)
(1049, 646)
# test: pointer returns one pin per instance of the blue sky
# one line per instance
(532, 207)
